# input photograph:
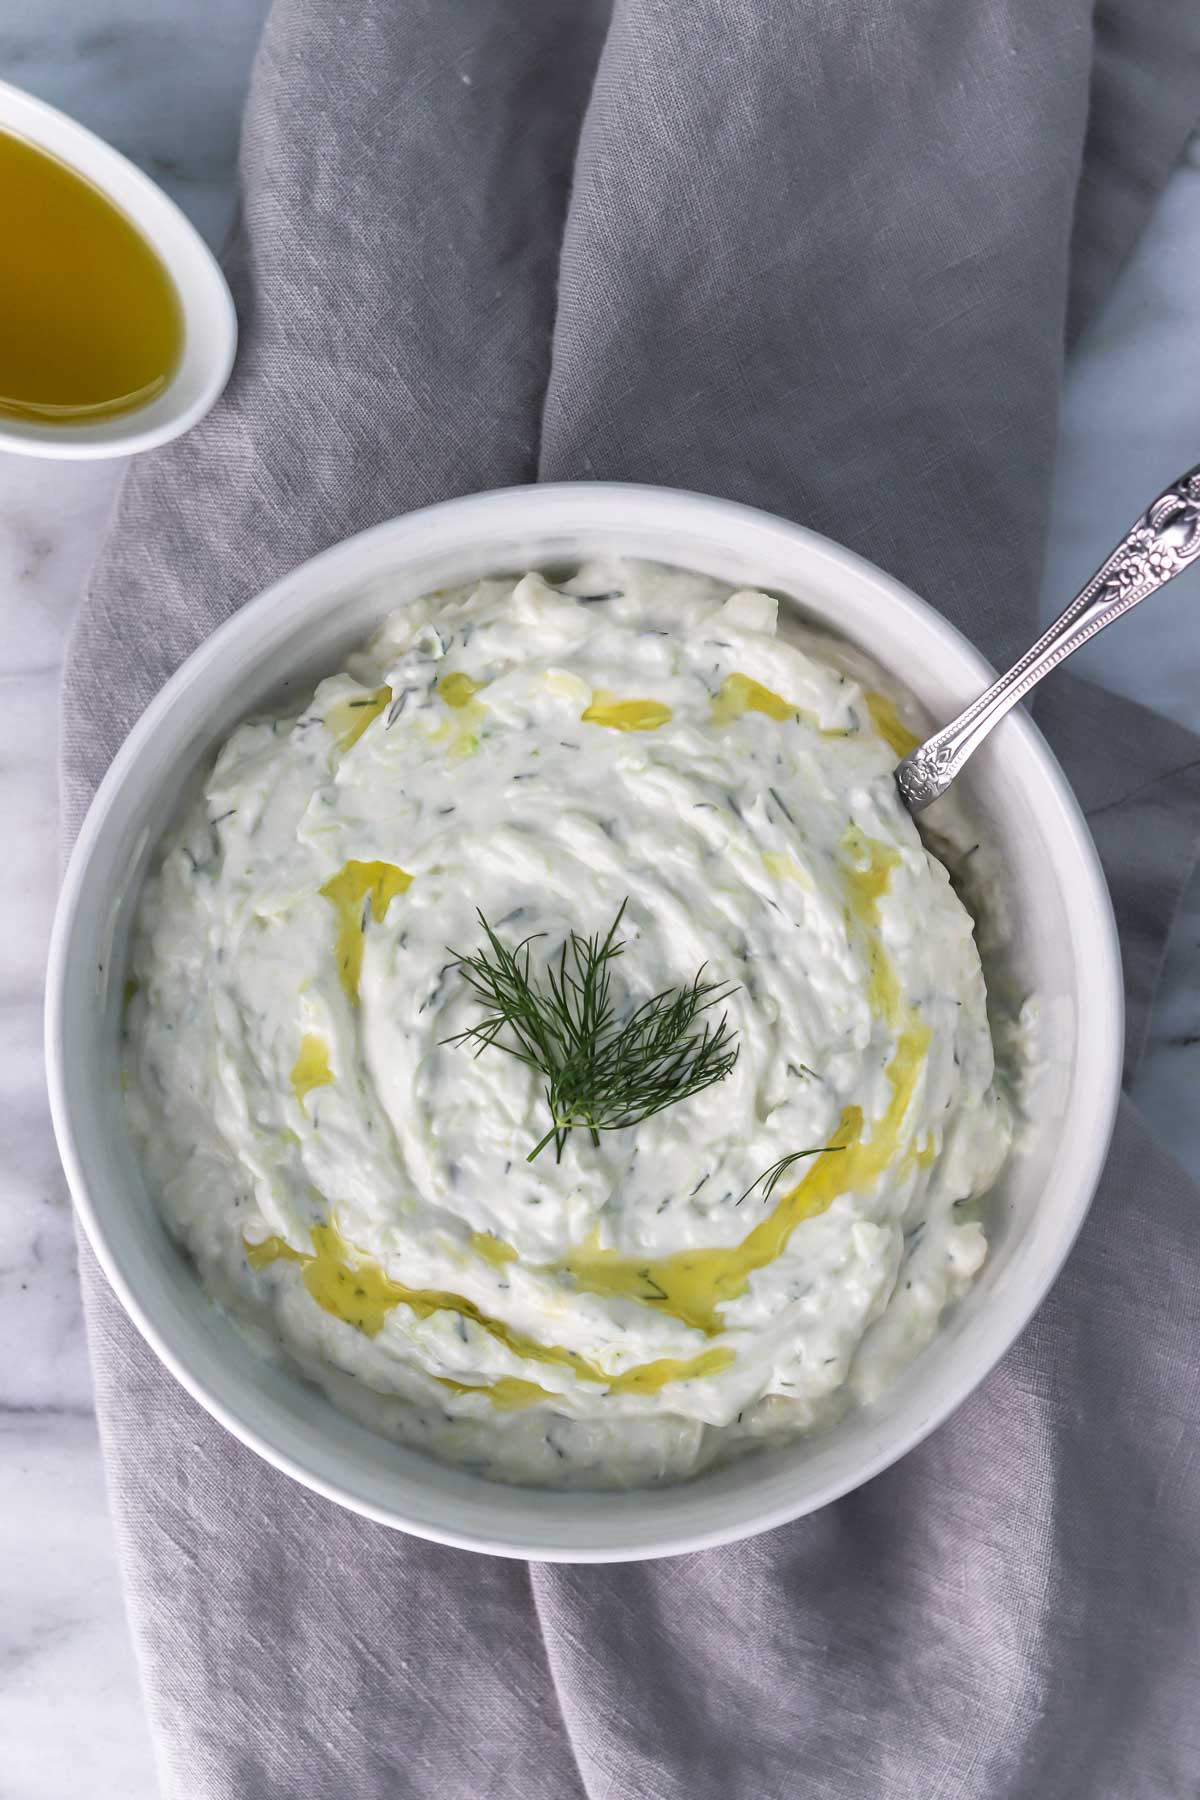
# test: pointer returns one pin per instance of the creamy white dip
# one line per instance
(355, 1189)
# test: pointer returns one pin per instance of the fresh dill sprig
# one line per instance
(602, 1073)
(773, 1175)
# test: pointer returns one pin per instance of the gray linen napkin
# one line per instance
(820, 258)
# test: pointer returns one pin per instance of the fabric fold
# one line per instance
(1137, 777)
(1143, 107)
(853, 353)
(1004, 1612)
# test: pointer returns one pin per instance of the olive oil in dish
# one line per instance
(91, 325)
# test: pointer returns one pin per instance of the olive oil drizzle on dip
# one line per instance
(625, 715)
(691, 1286)
(357, 1291)
(886, 719)
(311, 1067)
(519, 753)
(360, 891)
(348, 719)
(694, 1285)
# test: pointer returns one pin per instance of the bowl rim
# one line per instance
(980, 1351)
(197, 276)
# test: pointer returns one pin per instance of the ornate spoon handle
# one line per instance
(1156, 548)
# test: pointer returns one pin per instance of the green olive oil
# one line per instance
(90, 321)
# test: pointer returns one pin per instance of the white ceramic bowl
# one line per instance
(209, 320)
(1064, 949)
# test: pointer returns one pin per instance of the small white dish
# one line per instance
(1063, 948)
(209, 319)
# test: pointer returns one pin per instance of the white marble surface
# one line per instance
(164, 80)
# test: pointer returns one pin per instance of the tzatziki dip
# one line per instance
(365, 1171)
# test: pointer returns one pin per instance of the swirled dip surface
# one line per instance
(355, 1189)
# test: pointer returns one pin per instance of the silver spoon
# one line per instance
(1156, 548)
